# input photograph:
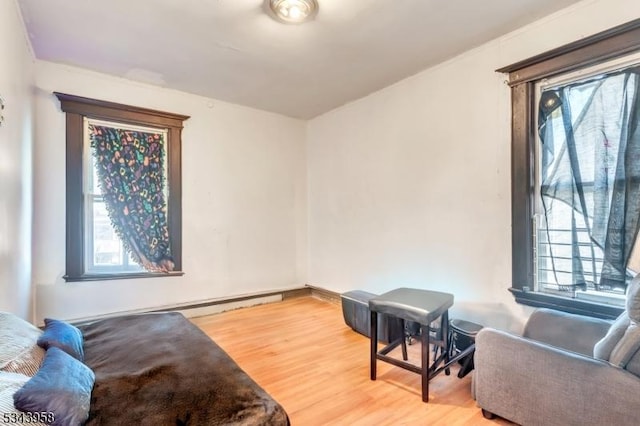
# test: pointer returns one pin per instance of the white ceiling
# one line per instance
(232, 51)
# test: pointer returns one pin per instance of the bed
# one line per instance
(155, 369)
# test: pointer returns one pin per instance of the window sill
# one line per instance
(566, 304)
(124, 276)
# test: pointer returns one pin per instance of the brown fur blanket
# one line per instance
(159, 369)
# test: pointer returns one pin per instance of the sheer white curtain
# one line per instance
(590, 178)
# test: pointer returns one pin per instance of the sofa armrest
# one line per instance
(577, 333)
(532, 383)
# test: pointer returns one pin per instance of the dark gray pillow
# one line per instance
(62, 335)
(62, 386)
(627, 347)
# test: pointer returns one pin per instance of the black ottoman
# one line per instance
(463, 343)
(356, 314)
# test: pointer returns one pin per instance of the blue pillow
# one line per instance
(62, 335)
(62, 386)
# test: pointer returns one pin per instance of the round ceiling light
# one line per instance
(292, 11)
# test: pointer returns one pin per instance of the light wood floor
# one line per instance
(304, 355)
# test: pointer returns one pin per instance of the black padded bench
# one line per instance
(422, 307)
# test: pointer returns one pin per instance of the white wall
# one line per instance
(410, 186)
(243, 206)
(16, 144)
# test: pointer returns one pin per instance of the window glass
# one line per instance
(581, 140)
(105, 251)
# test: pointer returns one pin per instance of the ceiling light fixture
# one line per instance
(292, 11)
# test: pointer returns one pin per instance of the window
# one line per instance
(105, 251)
(582, 181)
(557, 257)
(123, 190)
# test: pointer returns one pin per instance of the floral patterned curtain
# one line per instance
(131, 177)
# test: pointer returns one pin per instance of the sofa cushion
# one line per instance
(555, 328)
(19, 352)
(602, 350)
(633, 366)
(629, 344)
(633, 299)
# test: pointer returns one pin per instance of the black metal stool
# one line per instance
(423, 307)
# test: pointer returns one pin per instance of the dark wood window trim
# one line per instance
(76, 108)
(607, 45)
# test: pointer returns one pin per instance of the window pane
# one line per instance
(580, 132)
(95, 189)
(107, 247)
(145, 151)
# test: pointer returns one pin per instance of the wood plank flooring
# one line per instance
(304, 355)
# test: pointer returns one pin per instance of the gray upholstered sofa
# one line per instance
(565, 369)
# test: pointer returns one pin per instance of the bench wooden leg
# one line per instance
(374, 343)
(404, 341)
(425, 363)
